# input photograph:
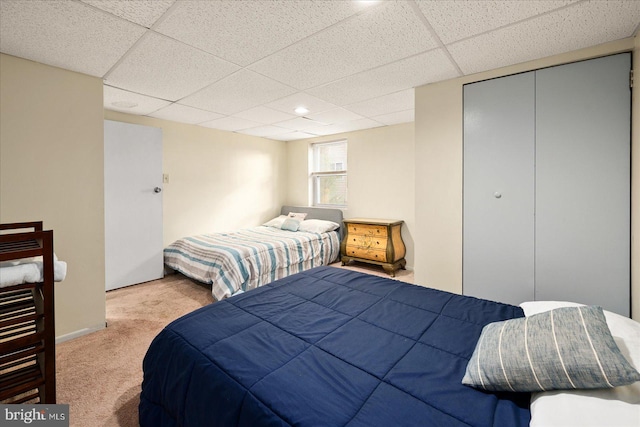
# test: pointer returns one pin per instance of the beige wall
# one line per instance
(380, 175)
(218, 180)
(635, 185)
(438, 160)
(51, 169)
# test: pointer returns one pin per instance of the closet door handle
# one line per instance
(157, 190)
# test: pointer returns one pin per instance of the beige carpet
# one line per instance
(99, 375)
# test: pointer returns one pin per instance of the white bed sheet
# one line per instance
(616, 407)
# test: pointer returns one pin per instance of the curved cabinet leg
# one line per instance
(390, 269)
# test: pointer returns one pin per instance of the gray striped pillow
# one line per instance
(562, 349)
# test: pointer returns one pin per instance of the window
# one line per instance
(329, 174)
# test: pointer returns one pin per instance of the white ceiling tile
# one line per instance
(344, 127)
(575, 27)
(299, 123)
(292, 136)
(264, 115)
(455, 20)
(394, 102)
(129, 102)
(143, 12)
(397, 117)
(264, 131)
(185, 114)
(238, 92)
(290, 103)
(65, 34)
(161, 67)
(335, 116)
(411, 72)
(245, 31)
(230, 124)
(378, 36)
(324, 130)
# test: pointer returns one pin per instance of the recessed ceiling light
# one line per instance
(124, 104)
(301, 111)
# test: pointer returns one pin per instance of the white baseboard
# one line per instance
(79, 333)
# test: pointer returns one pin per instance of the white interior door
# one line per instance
(133, 204)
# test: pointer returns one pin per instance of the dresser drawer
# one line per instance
(367, 241)
(367, 229)
(371, 254)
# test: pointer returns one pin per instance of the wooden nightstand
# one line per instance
(374, 241)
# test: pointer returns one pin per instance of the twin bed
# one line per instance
(246, 259)
(334, 347)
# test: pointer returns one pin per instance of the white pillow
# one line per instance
(619, 406)
(276, 222)
(534, 307)
(300, 216)
(318, 226)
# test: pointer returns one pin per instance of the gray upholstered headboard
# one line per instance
(326, 214)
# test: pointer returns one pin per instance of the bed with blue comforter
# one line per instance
(326, 347)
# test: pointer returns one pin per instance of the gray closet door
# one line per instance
(583, 148)
(498, 197)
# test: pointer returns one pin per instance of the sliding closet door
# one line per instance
(583, 183)
(498, 197)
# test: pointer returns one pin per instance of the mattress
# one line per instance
(247, 259)
(326, 347)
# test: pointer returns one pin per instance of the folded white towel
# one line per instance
(29, 270)
(19, 274)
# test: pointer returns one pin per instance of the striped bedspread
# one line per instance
(246, 259)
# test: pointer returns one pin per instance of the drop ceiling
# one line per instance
(244, 66)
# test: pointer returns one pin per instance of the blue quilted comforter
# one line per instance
(326, 347)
